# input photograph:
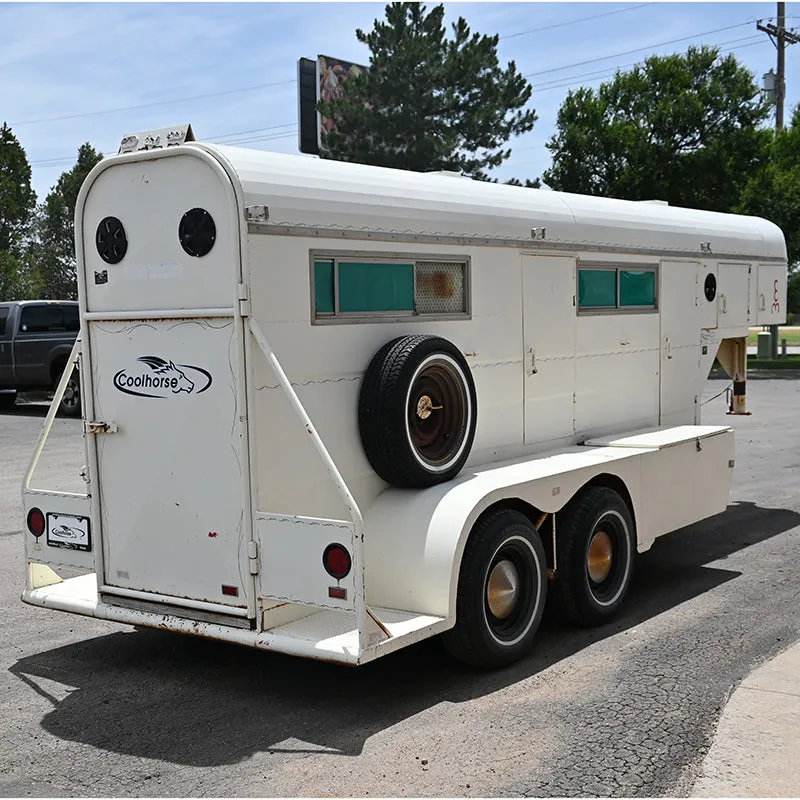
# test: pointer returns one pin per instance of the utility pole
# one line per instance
(780, 38)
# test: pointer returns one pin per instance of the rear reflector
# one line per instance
(338, 592)
(231, 591)
(336, 561)
(36, 523)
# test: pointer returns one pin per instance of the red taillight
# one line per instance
(336, 561)
(36, 523)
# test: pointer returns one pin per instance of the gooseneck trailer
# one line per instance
(333, 409)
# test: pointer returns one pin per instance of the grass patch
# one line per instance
(791, 361)
(792, 337)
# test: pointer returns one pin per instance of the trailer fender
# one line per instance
(414, 540)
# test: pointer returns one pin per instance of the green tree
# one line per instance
(17, 198)
(684, 128)
(54, 249)
(428, 102)
(773, 192)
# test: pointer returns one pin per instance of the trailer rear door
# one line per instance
(167, 371)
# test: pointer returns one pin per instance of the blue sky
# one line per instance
(76, 72)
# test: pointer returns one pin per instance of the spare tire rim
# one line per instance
(438, 413)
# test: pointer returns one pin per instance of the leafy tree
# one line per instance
(428, 102)
(54, 249)
(773, 192)
(17, 198)
(19, 278)
(682, 128)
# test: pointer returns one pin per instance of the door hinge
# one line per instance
(244, 300)
(252, 557)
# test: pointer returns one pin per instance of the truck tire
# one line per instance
(7, 400)
(502, 586)
(70, 405)
(417, 411)
(595, 542)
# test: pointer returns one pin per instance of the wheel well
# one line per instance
(618, 485)
(546, 527)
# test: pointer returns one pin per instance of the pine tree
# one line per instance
(428, 102)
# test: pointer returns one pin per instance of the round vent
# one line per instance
(710, 287)
(197, 232)
(111, 241)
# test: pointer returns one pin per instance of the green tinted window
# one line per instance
(637, 288)
(597, 288)
(375, 287)
(323, 287)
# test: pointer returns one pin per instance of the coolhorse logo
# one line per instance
(162, 379)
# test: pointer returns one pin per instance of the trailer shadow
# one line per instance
(195, 702)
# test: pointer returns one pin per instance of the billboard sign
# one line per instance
(319, 81)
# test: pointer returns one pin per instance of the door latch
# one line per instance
(100, 427)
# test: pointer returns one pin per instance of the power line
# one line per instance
(173, 101)
(746, 41)
(557, 83)
(635, 50)
(575, 21)
(148, 105)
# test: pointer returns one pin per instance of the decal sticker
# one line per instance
(68, 532)
(160, 378)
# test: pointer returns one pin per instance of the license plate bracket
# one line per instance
(69, 532)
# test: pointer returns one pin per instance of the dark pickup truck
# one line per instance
(36, 338)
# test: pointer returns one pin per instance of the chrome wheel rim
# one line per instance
(600, 557)
(503, 589)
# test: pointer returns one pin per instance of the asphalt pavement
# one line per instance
(641, 707)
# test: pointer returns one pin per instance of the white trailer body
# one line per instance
(231, 303)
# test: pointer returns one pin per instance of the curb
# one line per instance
(754, 753)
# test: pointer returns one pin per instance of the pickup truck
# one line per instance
(36, 337)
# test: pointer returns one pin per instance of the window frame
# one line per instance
(50, 331)
(619, 267)
(338, 317)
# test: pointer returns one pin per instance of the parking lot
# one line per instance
(94, 708)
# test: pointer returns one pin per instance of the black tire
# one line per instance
(493, 629)
(70, 405)
(417, 411)
(7, 400)
(595, 541)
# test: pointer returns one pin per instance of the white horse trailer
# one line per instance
(332, 409)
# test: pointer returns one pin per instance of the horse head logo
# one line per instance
(168, 369)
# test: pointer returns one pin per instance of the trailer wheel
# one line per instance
(417, 411)
(502, 587)
(594, 556)
(70, 405)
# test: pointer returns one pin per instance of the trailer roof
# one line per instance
(319, 193)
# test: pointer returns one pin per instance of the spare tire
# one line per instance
(417, 411)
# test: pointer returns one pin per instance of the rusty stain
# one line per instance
(440, 284)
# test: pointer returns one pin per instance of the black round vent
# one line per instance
(710, 287)
(197, 232)
(111, 241)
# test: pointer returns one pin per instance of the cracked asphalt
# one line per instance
(92, 708)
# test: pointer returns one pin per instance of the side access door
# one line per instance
(549, 322)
